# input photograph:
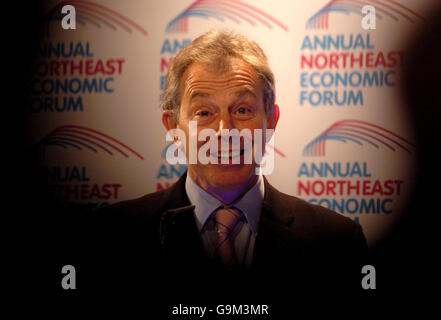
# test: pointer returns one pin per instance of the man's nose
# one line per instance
(225, 123)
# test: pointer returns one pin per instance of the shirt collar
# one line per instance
(205, 204)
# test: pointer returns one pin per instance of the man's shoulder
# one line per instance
(310, 219)
(141, 209)
(154, 198)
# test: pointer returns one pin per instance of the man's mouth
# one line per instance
(229, 154)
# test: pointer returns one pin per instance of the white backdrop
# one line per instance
(95, 114)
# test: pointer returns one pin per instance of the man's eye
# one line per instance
(242, 110)
(203, 113)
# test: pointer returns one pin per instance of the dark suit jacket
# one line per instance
(155, 239)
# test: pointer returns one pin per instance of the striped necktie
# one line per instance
(226, 220)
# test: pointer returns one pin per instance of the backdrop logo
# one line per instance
(390, 9)
(359, 132)
(82, 138)
(94, 14)
(223, 10)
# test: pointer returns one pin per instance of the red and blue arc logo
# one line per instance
(80, 138)
(390, 8)
(95, 14)
(359, 132)
(222, 10)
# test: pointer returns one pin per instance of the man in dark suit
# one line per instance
(222, 220)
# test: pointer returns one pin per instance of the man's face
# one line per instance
(230, 100)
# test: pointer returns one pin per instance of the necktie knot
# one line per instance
(226, 219)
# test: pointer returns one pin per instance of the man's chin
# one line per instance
(230, 176)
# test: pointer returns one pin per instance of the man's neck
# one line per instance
(225, 195)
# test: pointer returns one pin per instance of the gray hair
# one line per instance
(215, 49)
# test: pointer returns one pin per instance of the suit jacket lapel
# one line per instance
(275, 240)
(179, 235)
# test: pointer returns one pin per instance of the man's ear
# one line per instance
(168, 120)
(273, 118)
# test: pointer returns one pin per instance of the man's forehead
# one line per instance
(237, 92)
(199, 76)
